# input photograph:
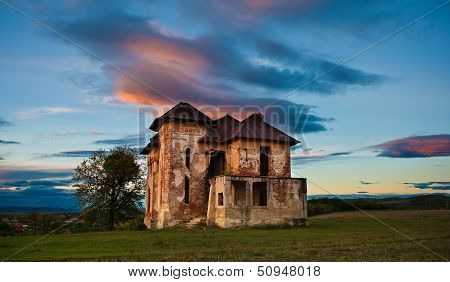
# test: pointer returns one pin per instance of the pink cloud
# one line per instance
(415, 147)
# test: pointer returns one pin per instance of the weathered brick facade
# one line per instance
(286, 202)
(198, 166)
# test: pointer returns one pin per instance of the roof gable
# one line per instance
(228, 128)
(254, 127)
(223, 130)
(182, 112)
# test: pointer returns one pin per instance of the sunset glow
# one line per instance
(370, 106)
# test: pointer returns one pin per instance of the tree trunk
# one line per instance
(112, 210)
(111, 220)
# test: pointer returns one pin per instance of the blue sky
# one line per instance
(378, 124)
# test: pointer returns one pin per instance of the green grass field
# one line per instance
(348, 236)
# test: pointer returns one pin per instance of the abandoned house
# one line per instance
(225, 172)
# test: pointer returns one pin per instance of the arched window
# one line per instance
(187, 157)
(186, 190)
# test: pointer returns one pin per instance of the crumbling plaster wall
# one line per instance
(175, 138)
(165, 183)
(244, 158)
(286, 203)
(152, 195)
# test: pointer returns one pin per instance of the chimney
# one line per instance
(257, 116)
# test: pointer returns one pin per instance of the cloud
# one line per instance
(434, 185)
(337, 17)
(90, 83)
(95, 133)
(70, 134)
(320, 156)
(176, 67)
(68, 154)
(27, 187)
(362, 192)
(38, 197)
(103, 100)
(4, 123)
(340, 154)
(11, 189)
(38, 193)
(373, 196)
(233, 67)
(415, 147)
(132, 140)
(5, 142)
(367, 183)
(38, 112)
(34, 183)
(19, 173)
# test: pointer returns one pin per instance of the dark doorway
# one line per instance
(239, 193)
(264, 161)
(216, 164)
(260, 194)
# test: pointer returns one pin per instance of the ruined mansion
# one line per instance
(225, 172)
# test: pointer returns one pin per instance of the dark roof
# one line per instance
(222, 130)
(228, 128)
(254, 127)
(182, 112)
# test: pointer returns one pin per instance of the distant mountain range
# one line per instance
(310, 197)
(37, 209)
(373, 196)
(431, 201)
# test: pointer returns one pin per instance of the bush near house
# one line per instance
(6, 229)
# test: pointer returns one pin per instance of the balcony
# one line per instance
(255, 201)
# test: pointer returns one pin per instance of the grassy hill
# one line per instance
(346, 236)
(422, 202)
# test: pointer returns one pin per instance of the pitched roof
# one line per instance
(254, 127)
(182, 112)
(223, 130)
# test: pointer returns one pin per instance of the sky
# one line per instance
(363, 84)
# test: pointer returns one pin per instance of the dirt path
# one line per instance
(382, 213)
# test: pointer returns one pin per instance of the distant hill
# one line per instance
(38, 209)
(422, 202)
(372, 196)
(370, 201)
